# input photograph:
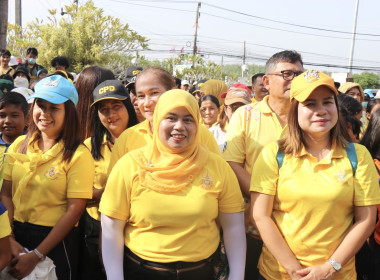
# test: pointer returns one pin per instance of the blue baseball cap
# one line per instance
(55, 89)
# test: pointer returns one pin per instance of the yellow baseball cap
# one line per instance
(303, 85)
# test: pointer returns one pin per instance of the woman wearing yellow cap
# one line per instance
(308, 188)
(164, 208)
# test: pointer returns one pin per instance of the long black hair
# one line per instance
(100, 130)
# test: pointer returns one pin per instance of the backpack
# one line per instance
(351, 153)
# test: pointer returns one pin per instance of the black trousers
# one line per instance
(254, 248)
(134, 271)
(90, 266)
(64, 255)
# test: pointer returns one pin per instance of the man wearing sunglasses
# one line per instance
(255, 125)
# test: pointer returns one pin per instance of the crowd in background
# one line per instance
(153, 177)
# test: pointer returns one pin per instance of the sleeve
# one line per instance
(115, 201)
(234, 148)
(230, 199)
(366, 182)
(118, 151)
(9, 161)
(5, 228)
(265, 171)
(208, 139)
(80, 176)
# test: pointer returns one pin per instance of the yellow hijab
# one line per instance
(161, 168)
(216, 88)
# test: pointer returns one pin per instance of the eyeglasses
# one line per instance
(287, 75)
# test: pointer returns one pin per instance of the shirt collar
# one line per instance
(264, 107)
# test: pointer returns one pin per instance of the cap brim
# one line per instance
(49, 97)
(236, 100)
(105, 98)
(301, 97)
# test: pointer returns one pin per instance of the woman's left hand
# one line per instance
(318, 272)
(23, 265)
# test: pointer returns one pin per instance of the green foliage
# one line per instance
(18, 44)
(367, 80)
(85, 37)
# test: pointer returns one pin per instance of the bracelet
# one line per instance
(39, 255)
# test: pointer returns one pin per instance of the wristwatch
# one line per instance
(335, 264)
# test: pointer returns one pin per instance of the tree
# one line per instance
(3, 23)
(367, 80)
(85, 36)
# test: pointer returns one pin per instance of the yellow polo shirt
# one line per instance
(5, 228)
(100, 178)
(314, 203)
(40, 189)
(251, 128)
(172, 227)
(140, 135)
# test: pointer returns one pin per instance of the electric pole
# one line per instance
(196, 29)
(18, 18)
(244, 53)
(353, 40)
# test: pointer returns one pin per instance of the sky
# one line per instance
(320, 30)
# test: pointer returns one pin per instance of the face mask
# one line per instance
(32, 60)
(21, 82)
(364, 104)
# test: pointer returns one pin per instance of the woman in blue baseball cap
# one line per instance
(44, 188)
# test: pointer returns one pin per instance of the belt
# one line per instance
(161, 266)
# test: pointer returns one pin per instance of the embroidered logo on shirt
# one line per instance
(52, 173)
(341, 177)
(207, 182)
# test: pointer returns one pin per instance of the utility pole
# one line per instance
(196, 30)
(353, 40)
(18, 18)
(3, 23)
(76, 1)
(244, 53)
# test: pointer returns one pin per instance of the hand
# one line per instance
(318, 272)
(16, 248)
(22, 265)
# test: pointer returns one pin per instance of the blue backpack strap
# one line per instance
(351, 153)
(279, 158)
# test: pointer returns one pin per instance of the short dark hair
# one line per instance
(177, 82)
(14, 98)
(283, 56)
(210, 97)
(258, 75)
(5, 52)
(32, 51)
(352, 106)
(60, 60)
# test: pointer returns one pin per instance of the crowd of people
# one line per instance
(151, 177)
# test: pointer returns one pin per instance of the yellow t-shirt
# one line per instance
(254, 100)
(172, 227)
(5, 228)
(48, 185)
(140, 135)
(314, 203)
(100, 178)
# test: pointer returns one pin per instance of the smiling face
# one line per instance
(114, 116)
(318, 114)
(177, 130)
(148, 91)
(209, 112)
(49, 117)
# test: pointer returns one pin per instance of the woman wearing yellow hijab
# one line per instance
(215, 88)
(164, 207)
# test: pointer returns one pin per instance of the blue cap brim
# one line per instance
(49, 97)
